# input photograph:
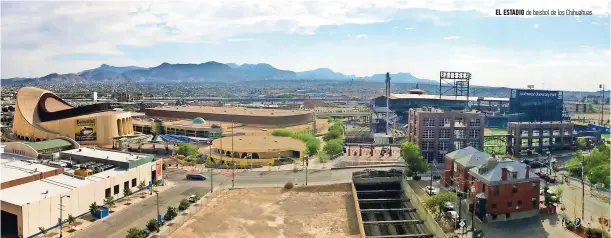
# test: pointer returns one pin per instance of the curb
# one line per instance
(367, 166)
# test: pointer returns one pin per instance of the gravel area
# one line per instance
(309, 211)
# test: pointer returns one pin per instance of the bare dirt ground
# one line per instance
(312, 211)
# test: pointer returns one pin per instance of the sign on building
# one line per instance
(85, 130)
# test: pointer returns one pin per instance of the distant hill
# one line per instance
(205, 72)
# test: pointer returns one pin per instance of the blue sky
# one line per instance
(362, 39)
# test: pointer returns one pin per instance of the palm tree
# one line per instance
(71, 220)
(109, 202)
(93, 209)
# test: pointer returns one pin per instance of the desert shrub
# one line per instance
(288, 185)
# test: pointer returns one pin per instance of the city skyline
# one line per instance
(350, 37)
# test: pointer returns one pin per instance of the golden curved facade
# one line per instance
(88, 127)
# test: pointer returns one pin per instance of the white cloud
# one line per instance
(361, 36)
(577, 19)
(395, 27)
(238, 39)
(36, 31)
(451, 38)
(409, 28)
(595, 23)
(537, 25)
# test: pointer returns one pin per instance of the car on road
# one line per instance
(448, 206)
(451, 215)
(431, 190)
(192, 198)
(195, 177)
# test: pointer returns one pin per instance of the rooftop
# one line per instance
(239, 111)
(443, 97)
(49, 144)
(17, 166)
(468, 157)
(491, 172)
(259, 143)
(113, 155)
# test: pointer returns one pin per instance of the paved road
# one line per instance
(116, 225)
(572, 199)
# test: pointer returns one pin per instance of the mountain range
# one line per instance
(205, 72)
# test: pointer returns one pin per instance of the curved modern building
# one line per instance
(256, 149)
(40, 115)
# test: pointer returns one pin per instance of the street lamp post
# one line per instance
(61, 208)
(152, 165)
(158, 213)
(306, 169)
(211, 169)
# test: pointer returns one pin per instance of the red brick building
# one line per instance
(505, 190)
(457, 166)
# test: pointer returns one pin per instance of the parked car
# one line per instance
(195, 177)
(431, 190)
(192, 198)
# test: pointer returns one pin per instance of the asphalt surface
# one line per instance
(137, 215)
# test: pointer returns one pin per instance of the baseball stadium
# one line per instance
(255, 149)
(263, 118)
(41, 115)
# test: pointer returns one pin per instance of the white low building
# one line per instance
(31, 191)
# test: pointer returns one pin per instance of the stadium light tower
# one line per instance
(458, 82)
(530, 86)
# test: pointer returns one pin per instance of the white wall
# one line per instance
(45, 212)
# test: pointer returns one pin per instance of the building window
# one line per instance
(444, 146)
(107, 192)
(444, 134)
(428, 145)
(515, 188)
(428, 122)
(496, 191)
(428, 157)
(519, 202)
(428, 134)
(475, 122)
(509, 204)
(474, 134)
(125, 185)
(459, 145)
(483, 188)
(493, 205)
(534, 187)
(459, 134)
(116, 189)
(444, 122)
(459, 122)
(133, 182)
(534, 202)
(440, 158)
(514, 174)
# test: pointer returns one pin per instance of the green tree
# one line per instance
(187, 149)
(141, 186)
(152, 225)
(412, 155)
(332, 135)
(170, 213)
(558, 191)
(184, 204)
(127, 192)
(197, 196)
(135, 233)
(93, 209)
(333, 147)
(71, 220)
(312, 147)
(282, 132)
(109, 202)
(581, 143)
(433, 203)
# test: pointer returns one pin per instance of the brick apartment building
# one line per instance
(540, 136)
(505, 190)
(457, 166)
(438, 132)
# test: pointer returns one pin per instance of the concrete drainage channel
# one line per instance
(384, 211)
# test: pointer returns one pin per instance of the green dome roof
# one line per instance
(199, 120)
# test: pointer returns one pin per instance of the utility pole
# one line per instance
(602, 103)
(583, 189)
(232, 160)
(306, 168)
(211, 169)
(387, 100)
(61, 209)
(431, 175)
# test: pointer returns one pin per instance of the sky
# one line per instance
(349, 36)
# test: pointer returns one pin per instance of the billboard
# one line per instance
(85, 130)
(534, 94)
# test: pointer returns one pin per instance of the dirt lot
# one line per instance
(313, 211)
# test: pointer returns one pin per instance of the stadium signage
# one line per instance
(537, 94)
